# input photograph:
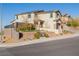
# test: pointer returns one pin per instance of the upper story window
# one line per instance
(57, 15)
(35, 15)
(16, 17)
(29, 15)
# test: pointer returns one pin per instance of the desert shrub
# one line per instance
(68, 23)
(65, 32)
(46, 35)
(73, 23)
(37, 35)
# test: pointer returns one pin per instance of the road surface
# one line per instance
(66, 47)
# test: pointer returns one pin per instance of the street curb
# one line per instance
(41, 40)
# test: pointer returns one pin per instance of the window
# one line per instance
(16, 17)
(35, 15)
(58, 15)
(29, 15)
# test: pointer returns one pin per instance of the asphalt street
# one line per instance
(64, 47)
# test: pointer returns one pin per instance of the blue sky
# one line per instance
(9, 10)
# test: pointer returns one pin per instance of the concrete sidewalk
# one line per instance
(41, 40)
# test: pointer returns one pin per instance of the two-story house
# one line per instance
(43, 20)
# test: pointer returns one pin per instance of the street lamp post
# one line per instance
(1, 23)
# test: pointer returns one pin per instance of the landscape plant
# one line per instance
(73, 23)
(26, 27)
(37, 35)
(46, 35)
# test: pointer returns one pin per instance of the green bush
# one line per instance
(46, 35)
(37, 35)
(69, 24)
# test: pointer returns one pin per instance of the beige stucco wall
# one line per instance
(23, 17)
(10, 33)
(49, 23)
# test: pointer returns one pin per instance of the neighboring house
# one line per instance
(65, 18)
(43, 20)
